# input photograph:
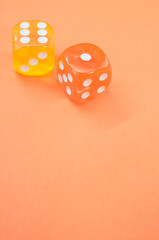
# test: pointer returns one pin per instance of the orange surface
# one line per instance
(88, 172)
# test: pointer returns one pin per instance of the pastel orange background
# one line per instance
(88, 172)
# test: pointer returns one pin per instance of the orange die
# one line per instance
(84, 71)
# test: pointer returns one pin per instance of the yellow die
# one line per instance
(33, 48)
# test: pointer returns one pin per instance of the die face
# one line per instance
(85, 57)
(66, 77)
(33, 48)
(90, 68)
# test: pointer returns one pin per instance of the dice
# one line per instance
(33, 48)
(84, 71)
